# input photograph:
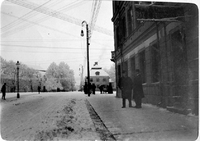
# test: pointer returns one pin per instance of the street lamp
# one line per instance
(88, 67)
(18, 96)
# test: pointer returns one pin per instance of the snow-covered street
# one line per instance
(46, 116)
(75, 116)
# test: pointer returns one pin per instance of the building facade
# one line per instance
(160, 39)
(99, 77)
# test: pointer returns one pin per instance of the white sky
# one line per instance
(40, 42)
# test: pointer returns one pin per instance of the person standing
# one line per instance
(39, 88)
(85, 88)
(89, 88)
(110, 89)
(93, 88)
(3, 90)
(138, 93)
(101, 89)
(125, 84)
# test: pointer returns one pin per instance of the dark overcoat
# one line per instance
(126, 84)
(137, 87)
(3, 89)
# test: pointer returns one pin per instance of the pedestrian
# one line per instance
(39, 89)
(44, 89)
(85, 88)
(89, 88)
(93, 88)
(104, 89)
(125, 84)
(3, 90)
(110, 89)
(101, 89)
(138, 93)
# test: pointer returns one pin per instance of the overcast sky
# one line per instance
(37, 39)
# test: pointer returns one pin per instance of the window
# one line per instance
(142, 65)
(118, 71)
(118, 36)
(130, 20)
(123, 27)
(179, 57)
(155, 56)
(138, 14)
(122, 30)
(132, 66)
(104, 79)
(125, 66)
(97, 79)
(97, 72)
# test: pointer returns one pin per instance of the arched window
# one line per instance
(97, 73)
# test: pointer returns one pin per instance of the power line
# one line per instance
(33, 13)
(25, 15)
(43, 18)
(95, 10)
(10, 32)
(55, 47)
(59, 15)
(51, 40)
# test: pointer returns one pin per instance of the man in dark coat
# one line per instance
(93, 88)
(39, 89)
(125, 84)
(101, 89)
(138, 93)
(110, 89)
(85, 88)
(3, 90)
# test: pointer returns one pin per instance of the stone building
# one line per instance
(160, 39)
(98, 76)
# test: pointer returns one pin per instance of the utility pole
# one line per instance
(88, 64)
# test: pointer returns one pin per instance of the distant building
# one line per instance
(98, 76)
(160, 39)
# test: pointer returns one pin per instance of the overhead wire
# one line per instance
(47, 47)
(33, 13)
(95, 10)
(4, 34)
(27, 23)
(41, 19)
(14, 22)
(59, 15)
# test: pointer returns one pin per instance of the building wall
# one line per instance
(177, 87)
(102, 80)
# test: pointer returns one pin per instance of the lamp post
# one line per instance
(88, 67)
(18, 96)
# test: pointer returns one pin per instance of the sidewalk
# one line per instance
(149, 123)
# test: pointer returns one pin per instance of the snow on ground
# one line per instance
(46, 116)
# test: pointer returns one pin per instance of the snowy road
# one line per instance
(46, 116)
(75, 116)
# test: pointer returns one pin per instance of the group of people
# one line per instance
(102, 88)
(106, 89)
(3, 91)
(131, 89)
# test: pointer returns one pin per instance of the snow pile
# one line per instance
(47, 117)
(74, 124)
